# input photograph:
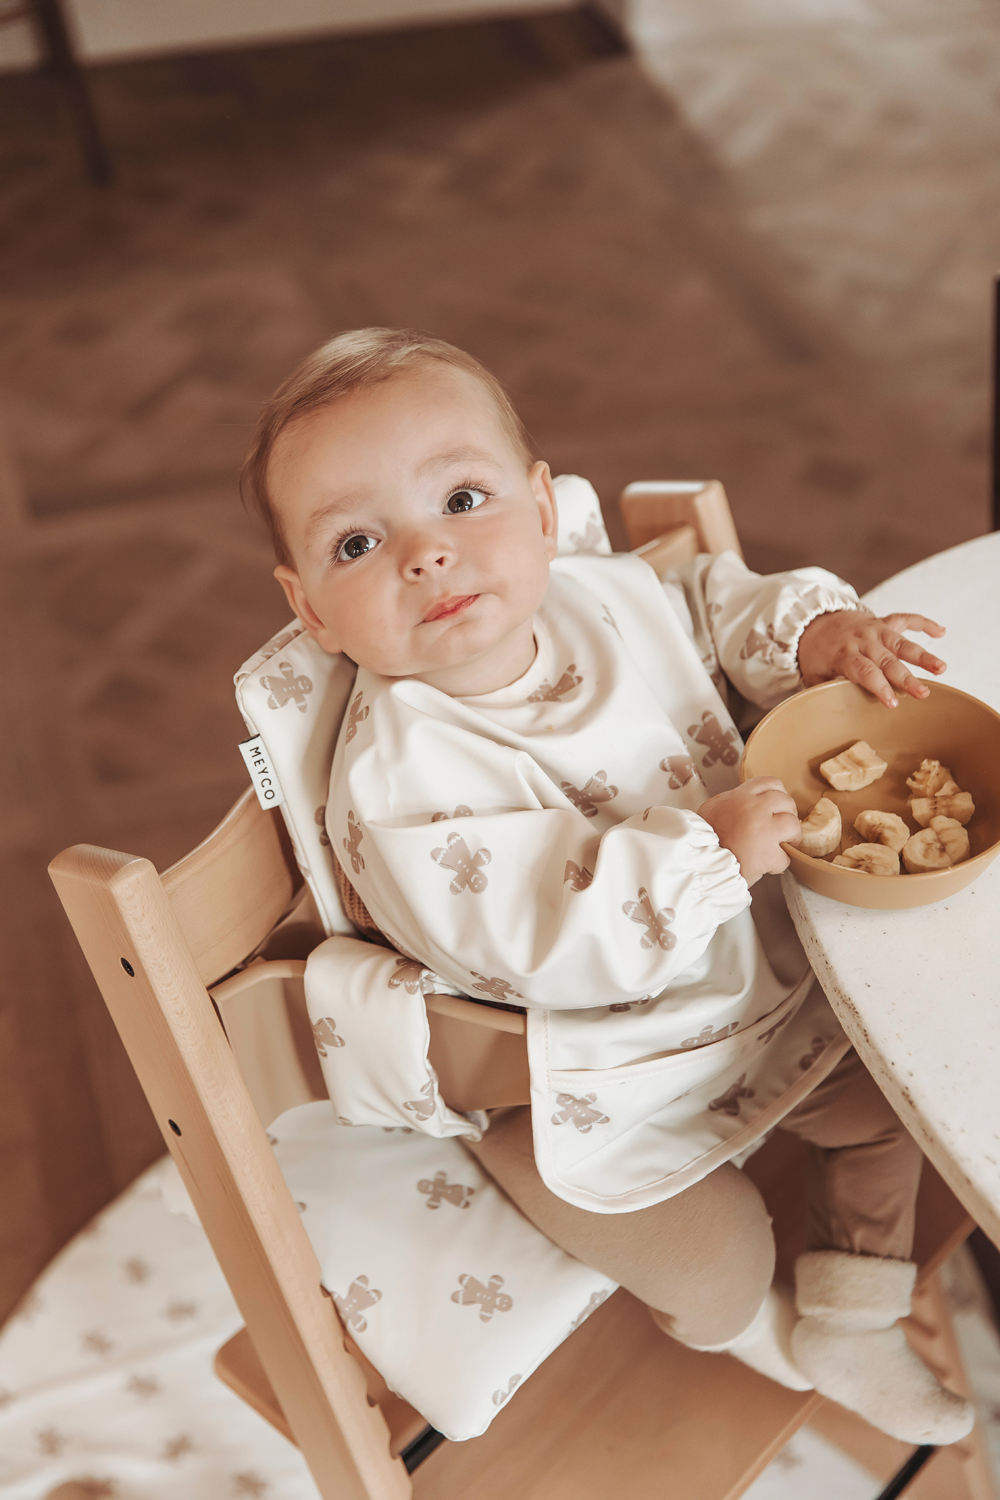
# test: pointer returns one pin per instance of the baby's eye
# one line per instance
(355, 546)
(465, 499)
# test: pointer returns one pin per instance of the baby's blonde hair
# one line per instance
(352, 361)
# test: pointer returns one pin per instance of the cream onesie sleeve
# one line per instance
(746, 626)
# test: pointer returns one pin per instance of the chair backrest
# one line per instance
(233, 888)
(669, 521)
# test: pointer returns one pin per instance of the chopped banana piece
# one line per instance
(821, 830)
(943, 844)
(957, 805)
(854, 768)
(874, 859)
(882, 828)
(932, 778)
(953, 836)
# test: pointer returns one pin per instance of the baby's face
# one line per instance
(421, 542)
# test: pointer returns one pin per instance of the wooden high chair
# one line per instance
(202, 972)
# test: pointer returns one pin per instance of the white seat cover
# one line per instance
(452, 1294)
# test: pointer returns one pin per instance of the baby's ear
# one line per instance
(296, 596)
(540, 479)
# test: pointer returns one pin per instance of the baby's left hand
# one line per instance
(871, 652)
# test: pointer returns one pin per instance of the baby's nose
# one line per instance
(425, 554)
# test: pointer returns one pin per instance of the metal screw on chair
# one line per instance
(174, 1127)
(128, 968)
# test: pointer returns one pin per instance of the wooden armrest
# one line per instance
(482, 1065)
(476, 1014)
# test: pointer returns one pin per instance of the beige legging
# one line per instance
(705, 1258)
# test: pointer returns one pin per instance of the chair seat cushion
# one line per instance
(449, 1291)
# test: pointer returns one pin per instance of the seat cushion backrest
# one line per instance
(293, 696)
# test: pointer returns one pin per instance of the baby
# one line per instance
(535, 792)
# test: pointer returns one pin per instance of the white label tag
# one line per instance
(265, 782)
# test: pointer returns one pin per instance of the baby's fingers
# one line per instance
(863, 671)
(787, 827)
(911, 652)
(902, 679)
(914, 622)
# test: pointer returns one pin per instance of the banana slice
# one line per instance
(956, 804)
(854, 768)
(932, 778)
(955, 839)
(882, 828)
(874, 859)
(821, 830)
(943, 844)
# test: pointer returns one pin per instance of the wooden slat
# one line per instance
(649, 509)
(230, 891)
(620, 1410)
(120, 911)
(671, 550)
(237, 1366)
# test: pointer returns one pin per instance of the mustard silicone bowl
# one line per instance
(948, 725)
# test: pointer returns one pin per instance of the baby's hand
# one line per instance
(752, 821)
(869, 651)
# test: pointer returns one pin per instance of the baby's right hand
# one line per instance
(752, 821)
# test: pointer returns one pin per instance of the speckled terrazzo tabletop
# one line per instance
(919, 991)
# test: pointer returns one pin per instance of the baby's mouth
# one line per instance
(450, 606)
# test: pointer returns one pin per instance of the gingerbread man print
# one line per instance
(325, 1035)
(707, 1036)
(766, 646)
(579, 876)
(468, 867)
(579, 1112)
(438, 1190)
(588, 797)
(545, 692)
(656, 923)
(497, 989)
(680, 769)
(720, 743)
(287, 688)
(412, 976)
(461, 811)
(489, 1298)
(729, 1102)
(360, 1298)
(352, 843)
(355, 715)
(423, 1107)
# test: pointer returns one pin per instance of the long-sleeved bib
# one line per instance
(541, 845)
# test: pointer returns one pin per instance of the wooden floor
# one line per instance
(521, 189)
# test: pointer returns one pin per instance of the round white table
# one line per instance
(918, 992)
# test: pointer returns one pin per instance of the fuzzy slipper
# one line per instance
(848, 1343)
